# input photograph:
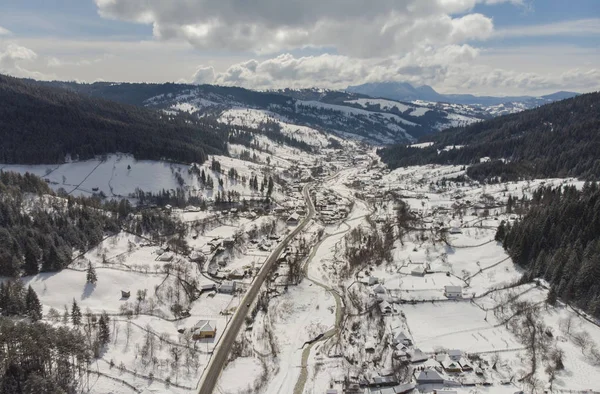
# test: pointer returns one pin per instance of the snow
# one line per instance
(421, 145)
(353, 111)
(383, 104)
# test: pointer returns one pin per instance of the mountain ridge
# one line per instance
(405, 91)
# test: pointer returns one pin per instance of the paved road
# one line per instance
(213, 371)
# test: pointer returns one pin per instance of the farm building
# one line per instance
(453, 291)
(204, 329)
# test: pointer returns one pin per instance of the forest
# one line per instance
(558, 239)
(39, 230)
(561, 139)
(42, 124)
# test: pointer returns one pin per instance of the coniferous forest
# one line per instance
(40, 233)
(42, 124)
(558, 239)
(556, 140)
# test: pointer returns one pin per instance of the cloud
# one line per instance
(423, 65)
(13, 60)
(360, 28)
(4, 32)
(203, 75)
(453, 69)
(581, 27)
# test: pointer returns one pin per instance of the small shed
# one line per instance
(125, 294)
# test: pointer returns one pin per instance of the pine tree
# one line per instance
(75, 313)
(552, 296)
(33, 305)
(501, 232)
(91, 274)
(103, 329)
(270, 187)
(31, 265)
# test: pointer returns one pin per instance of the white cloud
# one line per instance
(360, 28)
(13, 60)
(423, 65)
(204, 75)
(4, 32)
(581, 27)
(452, 69)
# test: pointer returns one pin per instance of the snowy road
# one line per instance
(215, 367)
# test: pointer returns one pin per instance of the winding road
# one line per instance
(217, 361)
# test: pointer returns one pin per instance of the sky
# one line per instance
(483, 47)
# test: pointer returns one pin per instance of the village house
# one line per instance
(419, 270)
(293, 219)
(451, 365)
(385, 307)
(429, 376)
(236, 274)
(465, 364)
(455, 354)
(373, 280)
(227, 287)
(204, 329)
(379, 289)
(402, 339)
(418, 356)
(167, 256)
(453, 291)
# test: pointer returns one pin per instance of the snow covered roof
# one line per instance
(379, 288)
(429, 376)
(401, 337)
(417, 355)
(205, 326)
(453, 289)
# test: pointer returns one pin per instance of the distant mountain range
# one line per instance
(404, 91)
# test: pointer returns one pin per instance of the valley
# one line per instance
(302, 257)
